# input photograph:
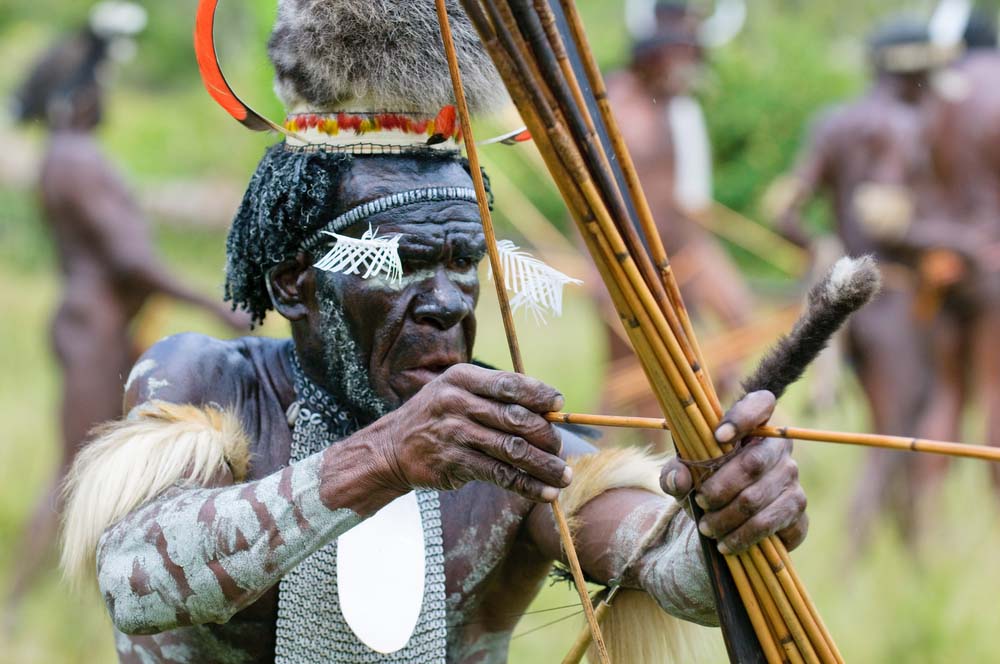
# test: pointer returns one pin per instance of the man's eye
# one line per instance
(462, 263)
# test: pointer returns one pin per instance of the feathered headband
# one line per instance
(372, 78)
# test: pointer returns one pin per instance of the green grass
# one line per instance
(890, 607)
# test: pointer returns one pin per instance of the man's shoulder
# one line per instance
(193, 368)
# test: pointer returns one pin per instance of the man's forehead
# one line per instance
(421, 209)
(431, 222)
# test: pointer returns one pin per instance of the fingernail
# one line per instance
(702, 503)
(672, 482)
(559, 402)
(704, 529)
(567, 476)
(550, 494)
(725, 433)
(723, 549)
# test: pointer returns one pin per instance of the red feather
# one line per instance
(212, 76)
(444, 123)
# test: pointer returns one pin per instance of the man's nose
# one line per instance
(441, 303)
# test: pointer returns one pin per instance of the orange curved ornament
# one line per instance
(213, 78)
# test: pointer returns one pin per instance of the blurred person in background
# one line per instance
(871, 158)
(962, 228)
(664, 128)
(106, 256)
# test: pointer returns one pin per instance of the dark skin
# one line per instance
(964, 131)
(109, 271)
(475, 434)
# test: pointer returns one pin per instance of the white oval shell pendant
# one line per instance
(380, 575)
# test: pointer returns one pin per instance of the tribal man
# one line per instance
(240, 510)
(871, 156)
(964, 131)
(105, 253)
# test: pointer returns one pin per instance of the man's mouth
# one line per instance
(429, 368)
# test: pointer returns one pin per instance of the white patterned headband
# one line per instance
(536, 286)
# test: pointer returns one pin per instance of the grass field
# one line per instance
(890, 607)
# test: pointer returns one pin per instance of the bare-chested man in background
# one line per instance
(106, 257)
(964, 132)
(870, 157)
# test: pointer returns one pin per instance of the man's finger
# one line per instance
(520, 454)
(675, 479)
(517, 421)
(747, 504)
(795, 534)
(507, 477)
(507, 387)
(752, 463)
(746, 415)
(778, 516)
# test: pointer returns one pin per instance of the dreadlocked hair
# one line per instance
(292, 194)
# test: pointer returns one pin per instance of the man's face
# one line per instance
(407, 333)
(673, 69)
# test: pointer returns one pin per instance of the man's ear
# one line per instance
(291, 287)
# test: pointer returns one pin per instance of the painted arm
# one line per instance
(754, 495)
(199, 555)
(178, 539)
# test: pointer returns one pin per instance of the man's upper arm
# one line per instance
(188, 369)
(814, 163)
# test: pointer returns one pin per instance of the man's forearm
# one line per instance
(194, 556)
(674, 571)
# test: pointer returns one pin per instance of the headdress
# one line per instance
(654, 23)
(357, 79)
(906, 45)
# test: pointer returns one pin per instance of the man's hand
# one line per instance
(756, 493)
(471, 424)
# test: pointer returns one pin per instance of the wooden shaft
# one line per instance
(477, 178)
(624, 158)
(785, 608)
(800, 603)
(579, 580)
(776, 624)
(505, 310)
(901, 443)
(691, 413)
(583, 640)
(783, 552)
(549, 47)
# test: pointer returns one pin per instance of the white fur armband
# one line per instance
(132, 461)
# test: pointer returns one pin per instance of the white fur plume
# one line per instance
(536, 286)
(368, 256)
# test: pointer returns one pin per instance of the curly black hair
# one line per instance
(293, 193)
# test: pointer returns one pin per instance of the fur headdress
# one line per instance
(386, 55)
(362, 77)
